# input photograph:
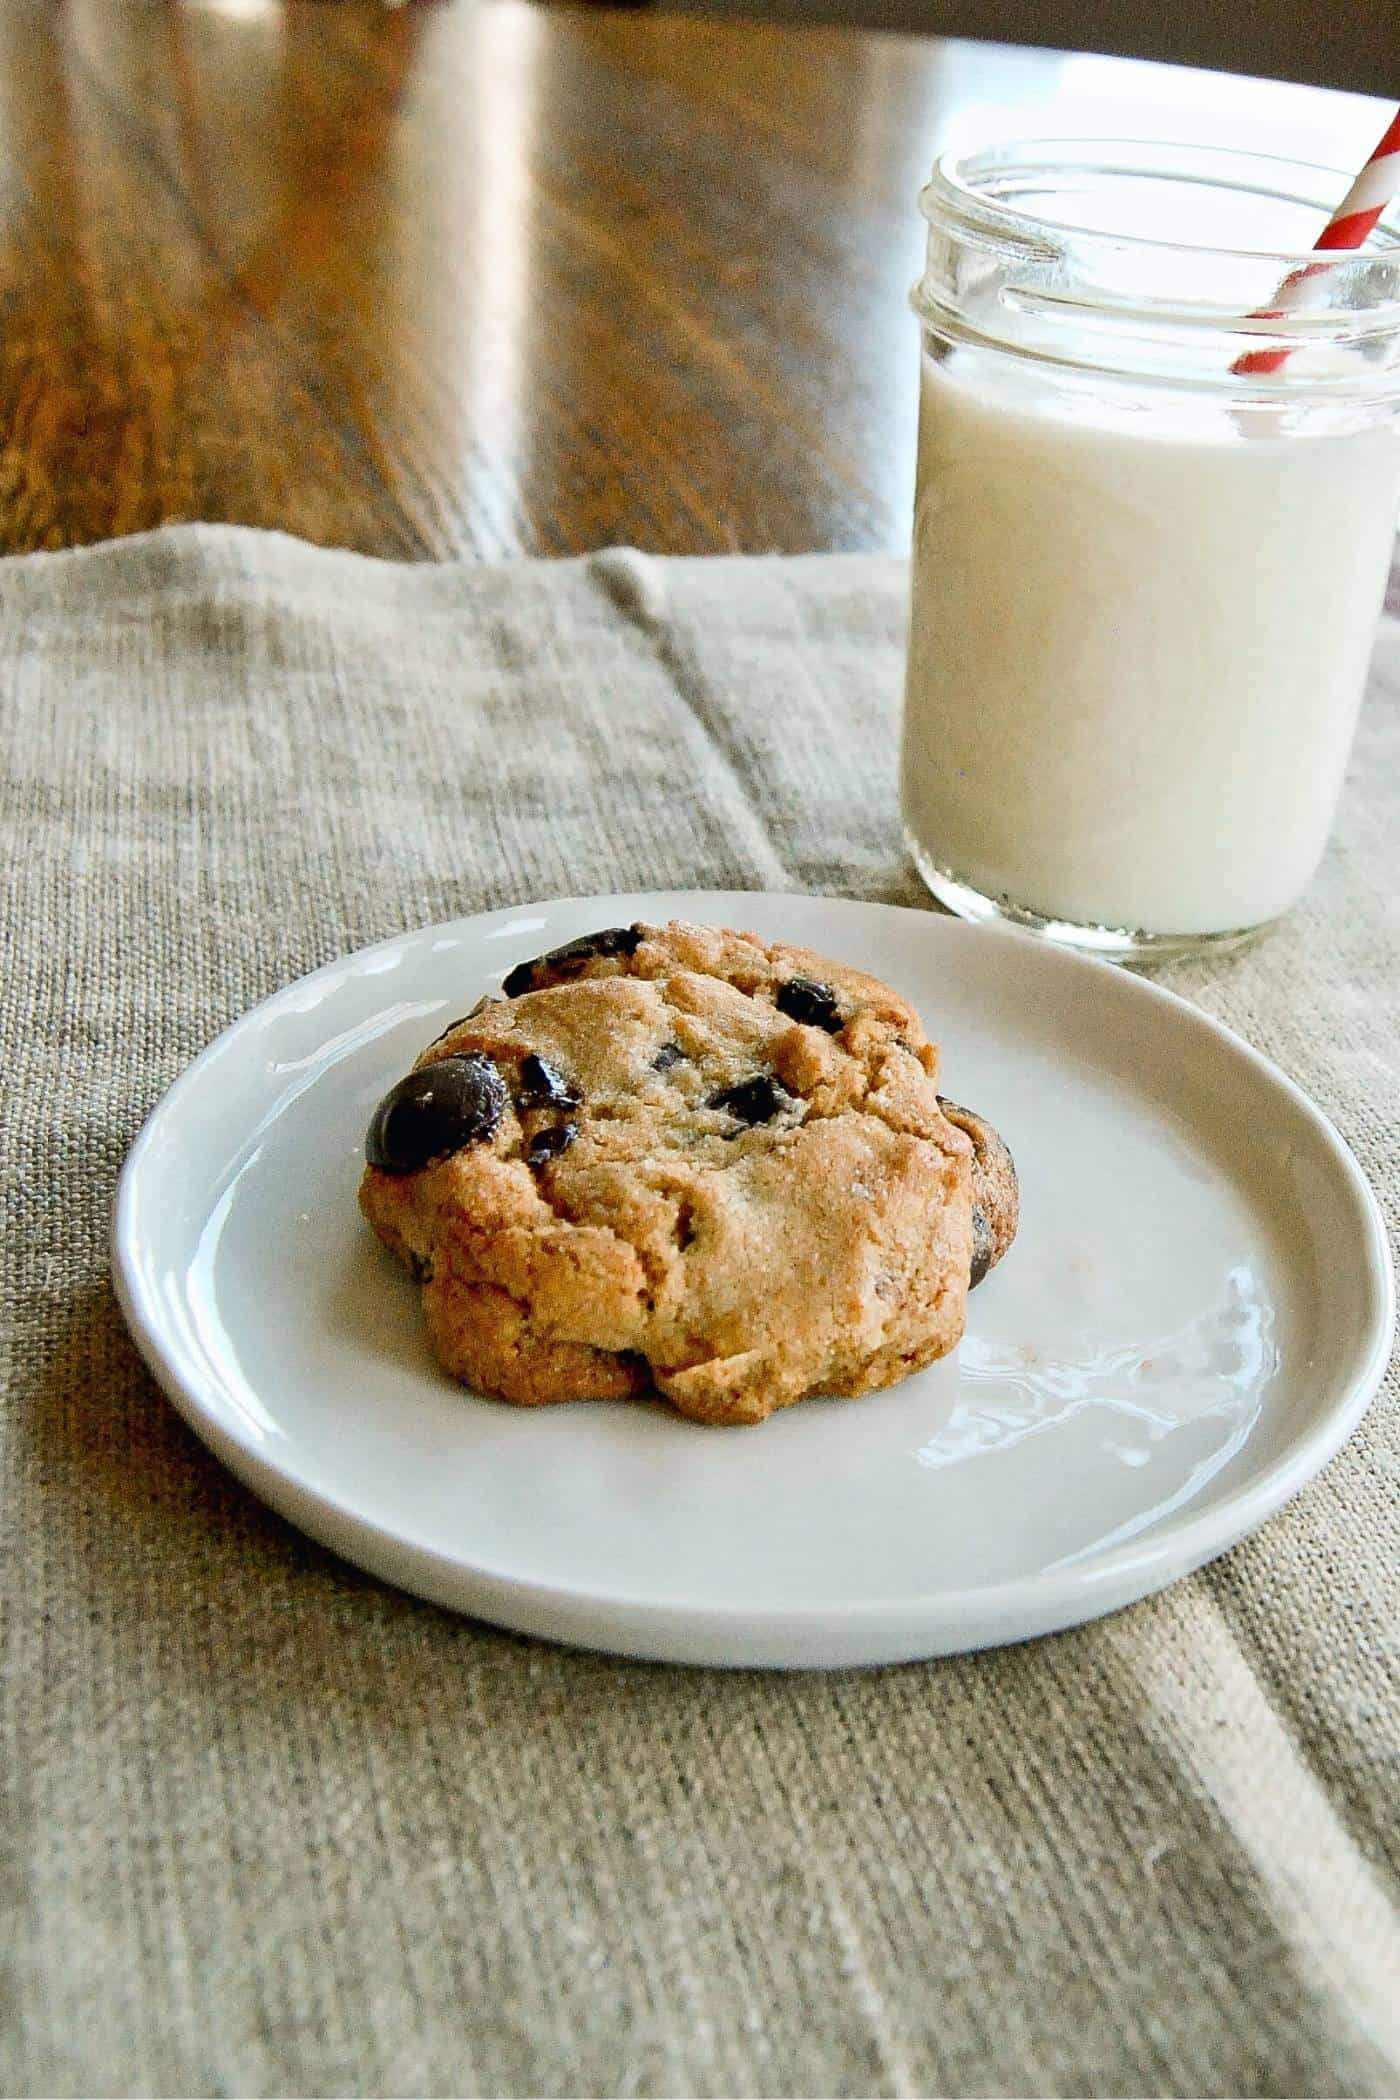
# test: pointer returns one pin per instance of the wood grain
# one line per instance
(480, 278)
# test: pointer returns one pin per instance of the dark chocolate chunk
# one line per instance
(753, 1100)
(984, 1246)
(806, 999)
(569, 960)
(548, 1144)
(669, 1054)
(995, 1193)
(435, 1111)
(543, 1085)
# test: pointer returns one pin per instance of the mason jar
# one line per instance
(1156, 506)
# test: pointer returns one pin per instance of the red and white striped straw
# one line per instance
(1375, 187)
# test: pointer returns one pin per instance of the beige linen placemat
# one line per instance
(272, 1827)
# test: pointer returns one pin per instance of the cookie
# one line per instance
(682, 1159)
(996, 1193)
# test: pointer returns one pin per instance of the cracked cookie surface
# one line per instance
(714, 1166)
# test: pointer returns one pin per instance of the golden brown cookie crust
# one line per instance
(735, 1266)
(996, 1192)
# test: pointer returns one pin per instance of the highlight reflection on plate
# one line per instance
(1190, 1397)
(1154, 1368)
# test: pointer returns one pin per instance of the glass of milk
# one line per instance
(1145, 586)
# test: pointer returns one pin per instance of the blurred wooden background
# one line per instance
(1329, 43)
(490, 278)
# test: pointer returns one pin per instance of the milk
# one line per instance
(1137, 647)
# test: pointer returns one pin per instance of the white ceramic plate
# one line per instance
(1194, 1317)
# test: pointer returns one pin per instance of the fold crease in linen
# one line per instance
(271, 1827)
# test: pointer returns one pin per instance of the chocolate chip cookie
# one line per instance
(682, 1159)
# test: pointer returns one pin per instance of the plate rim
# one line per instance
(1101, 1584)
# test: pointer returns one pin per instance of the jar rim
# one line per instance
(1079, 291)
(961, 184)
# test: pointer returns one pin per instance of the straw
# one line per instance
(1374, 188)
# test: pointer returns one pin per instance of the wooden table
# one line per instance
(493, 278)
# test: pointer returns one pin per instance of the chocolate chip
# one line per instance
(984, 1246)
(435, 1111)
(419, 1267)
(753, 1100)
(543, 1085)
(548, 1144)
(669, 1054)
(572, 958)
(806, 999)
(995, 1200)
